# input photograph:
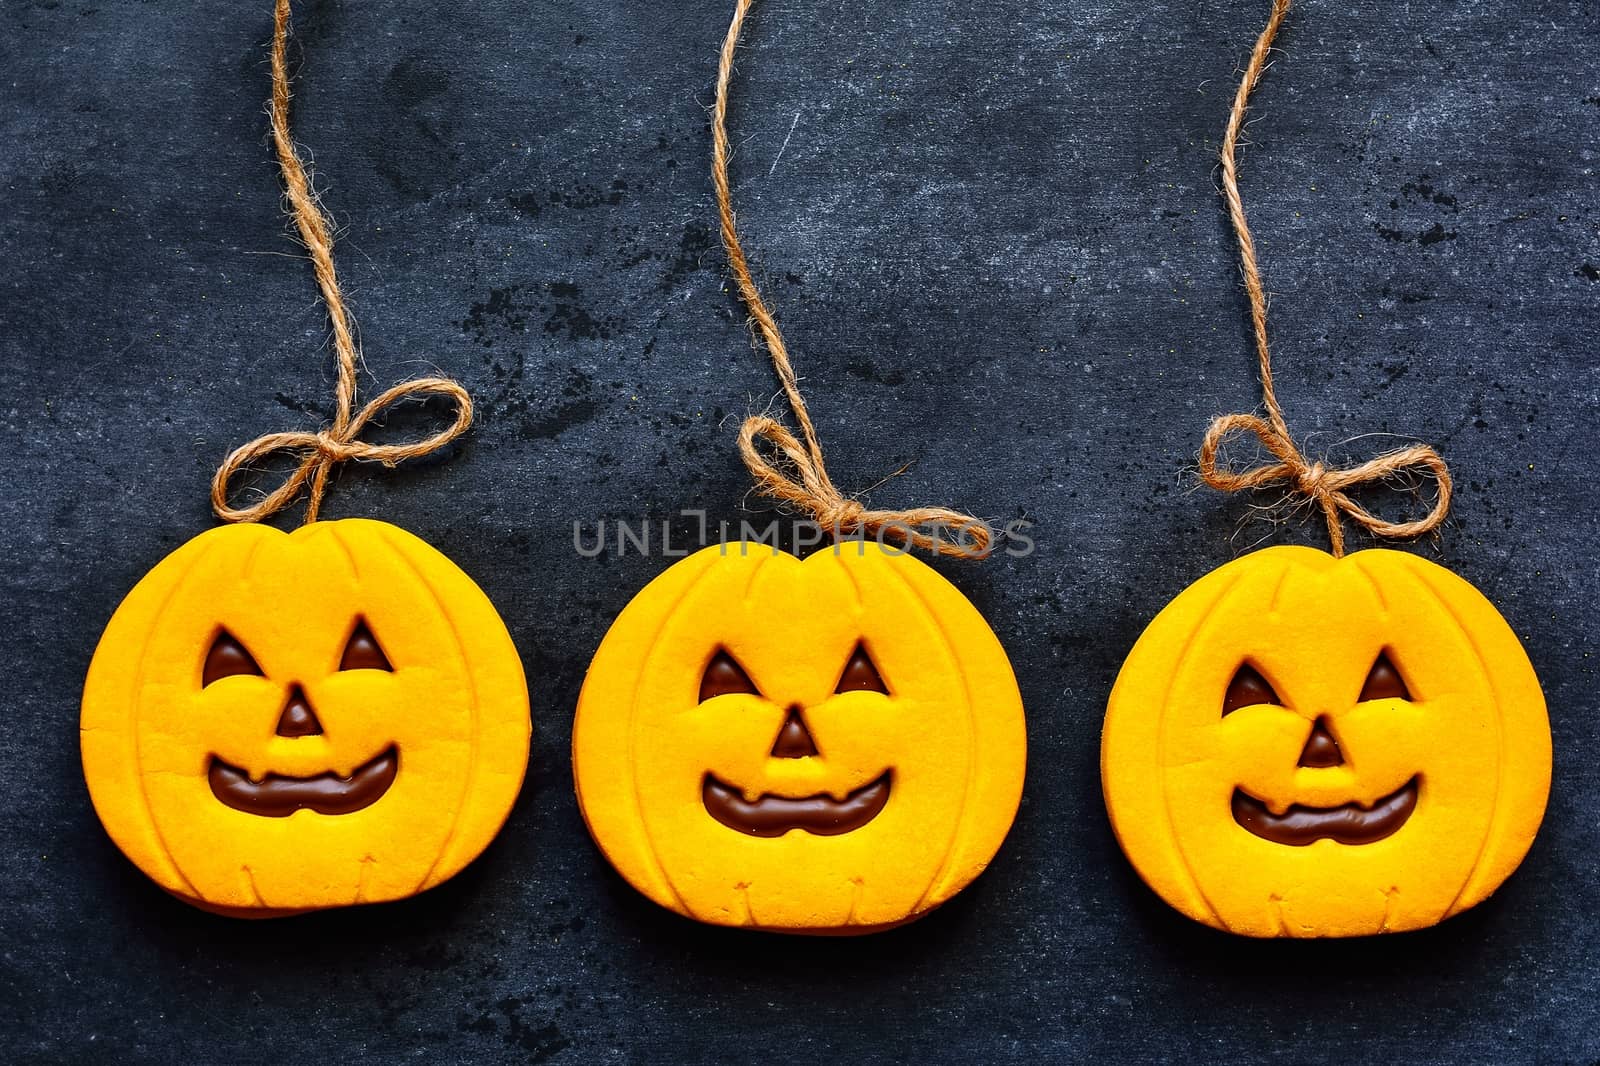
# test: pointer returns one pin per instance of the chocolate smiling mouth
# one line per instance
(1350, 823)
(279, 795)
(773, 816)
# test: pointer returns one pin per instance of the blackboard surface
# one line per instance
(993, 236)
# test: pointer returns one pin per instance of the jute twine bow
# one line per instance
(319, 452)
(1312, 479)
(799, 477)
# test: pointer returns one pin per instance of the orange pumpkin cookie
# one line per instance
(278, 722)
(1300, 745)
(827, 746)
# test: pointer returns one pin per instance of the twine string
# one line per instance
(318, 453)
(796, 474)
(1315, 480)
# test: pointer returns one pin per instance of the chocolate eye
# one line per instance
(1247, 688)
(227, 658)
(861, 674)
(724, 677)
(362, 651)
(1384, 682)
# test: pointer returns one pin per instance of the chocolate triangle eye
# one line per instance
(1247, 688)
(861, 674)
(362, 651)
(1384, 682)
(724, 677)
(227, 658)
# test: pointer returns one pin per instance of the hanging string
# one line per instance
(1322, 484)
(319, 452)
(801, 478)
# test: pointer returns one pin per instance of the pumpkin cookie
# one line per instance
(1300, 745)
(827, 746)
(282, 722)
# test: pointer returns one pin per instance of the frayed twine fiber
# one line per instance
(319, 452)
(800, 477)
(1313, 479)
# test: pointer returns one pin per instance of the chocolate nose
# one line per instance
(1321, 749)
(298, 719)
(794, 739)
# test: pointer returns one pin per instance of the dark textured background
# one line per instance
(992, 231)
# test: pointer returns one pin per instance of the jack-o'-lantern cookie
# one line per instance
(281, 722)
(832, 745)
(1306, 746)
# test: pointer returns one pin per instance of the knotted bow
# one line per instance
(802, 479)
(1311, 479)
(320, 451)
(803, 482)
(1321, 484)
